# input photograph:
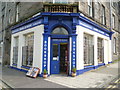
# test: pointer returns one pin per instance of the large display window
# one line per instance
(88, 50)
(27, 50)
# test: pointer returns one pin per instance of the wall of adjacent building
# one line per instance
(8, 10)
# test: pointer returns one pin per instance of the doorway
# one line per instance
(59, 57)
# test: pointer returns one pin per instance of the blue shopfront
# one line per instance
(60, 27)
(57, 43)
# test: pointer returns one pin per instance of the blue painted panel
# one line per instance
(45, 52)
(30, 25)
(55, 63)
(73, 56)
(88, 68)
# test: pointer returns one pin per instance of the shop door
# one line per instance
(55, 58)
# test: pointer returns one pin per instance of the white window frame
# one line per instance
(90, 8)
(17, 12)
(103, 15)
(9, 17)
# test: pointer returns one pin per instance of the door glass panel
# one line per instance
(55, 51)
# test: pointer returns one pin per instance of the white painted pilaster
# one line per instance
(105, 51)
(38, 47)
(20, 45)
(95, 51)
(11, 54)
(48, 55)
(110, 51)
(79, 49)
(70, 48)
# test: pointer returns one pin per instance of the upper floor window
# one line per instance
(9, 17)
(3, 22)
(90, 8)
(17, 12)
(114, 45)
(113, 21)
(60, 1)
(103, 21)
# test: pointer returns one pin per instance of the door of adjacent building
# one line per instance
(59, 60)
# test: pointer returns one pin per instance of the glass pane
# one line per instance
(100, 50)
(60, 31)
(27, 53)
(55, 50)
(88, 50)
(15, 55)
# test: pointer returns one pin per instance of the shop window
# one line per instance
(27, 50)
(15, 50)
(114, 45)
(88, 50)
(100, 50)
(60, 31)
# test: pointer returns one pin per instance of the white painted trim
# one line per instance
(70, 48)
(95, 50)
(48, 66)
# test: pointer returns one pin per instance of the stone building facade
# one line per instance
(13, 13)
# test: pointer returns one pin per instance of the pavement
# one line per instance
(18, 79)
(91, 79)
